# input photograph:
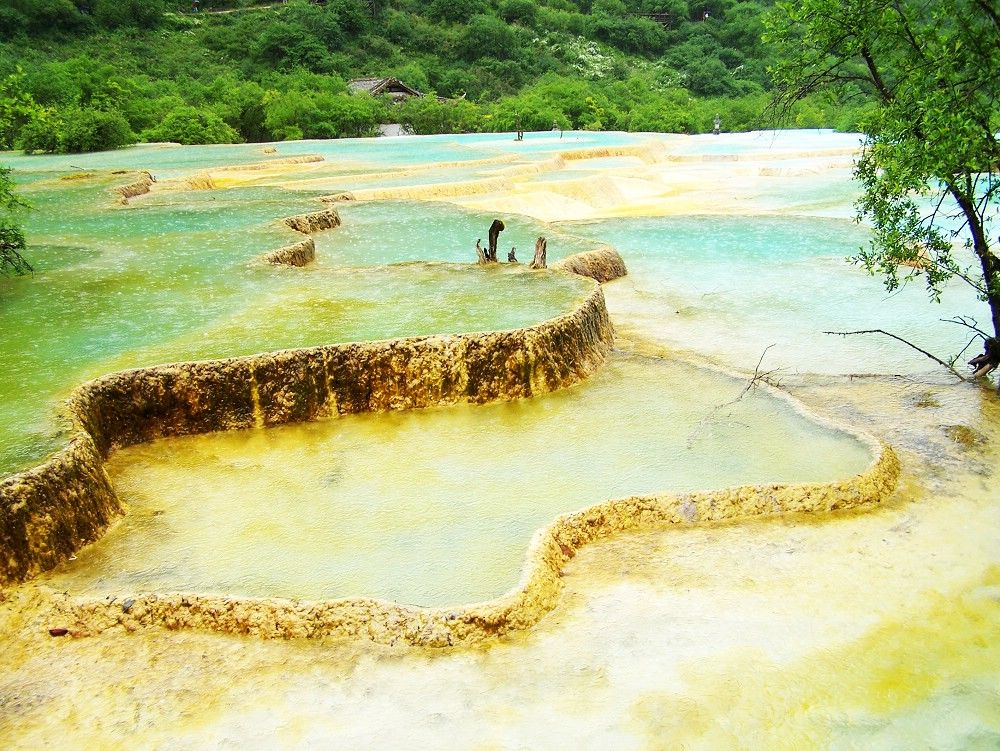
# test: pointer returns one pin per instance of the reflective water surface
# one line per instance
(874, 630)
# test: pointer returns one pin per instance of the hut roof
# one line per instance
(375, 86)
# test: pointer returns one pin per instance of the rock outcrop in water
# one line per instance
(316, 221)
(603, 264)
(49, 512)
(301, 253)
(140, 187)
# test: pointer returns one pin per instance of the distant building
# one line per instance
(391, 87)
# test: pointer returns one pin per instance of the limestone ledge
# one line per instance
(301, 253)
(271, 163)
(49, 512)
(138, 188)
(603, 264)
(650, 152)
(536, 593)
(502, 181)
(315, 221)
(427, 192)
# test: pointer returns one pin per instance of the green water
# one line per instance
(299, 511)
(400, 231)
(169, 278)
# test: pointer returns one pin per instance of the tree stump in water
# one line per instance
(495, 229)
(480, 252)
(511, 258)
(539, 260)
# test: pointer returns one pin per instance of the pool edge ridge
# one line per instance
(536, 594)
(51, 510)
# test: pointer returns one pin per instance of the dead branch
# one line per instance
(756, 379)
(968, 322)
(924, 352)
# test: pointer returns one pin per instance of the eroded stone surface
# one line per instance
(49, 512)
(603, 264)
(315, 221)
(301, 253)
(140, 187)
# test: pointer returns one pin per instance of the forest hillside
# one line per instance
(80, 75)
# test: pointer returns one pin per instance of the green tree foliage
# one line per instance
(611, 22)
(135, 13)
(309, 114)
(43, 17)
(41, 134)
(17, 108)
(88, 129)
(455, 11)
(929, 167)
(488, 36)
(428, 115)
(278, 72)
(12, 240)
(188, 125)
(522, 12)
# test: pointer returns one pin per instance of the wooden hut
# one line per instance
(391, 87)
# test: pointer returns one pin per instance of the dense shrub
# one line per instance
(188, 125)
(138, 13)
(93, 130)
(41, 134)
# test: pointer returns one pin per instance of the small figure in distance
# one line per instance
(718, 124)
(510, 256)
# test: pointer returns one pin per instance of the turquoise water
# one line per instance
(764, 142)
(733, 286)
(401, 231)
(169, 278)
(169, 160)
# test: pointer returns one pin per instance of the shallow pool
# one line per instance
(435, 506)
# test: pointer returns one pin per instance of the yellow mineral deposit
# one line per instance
(814, 566)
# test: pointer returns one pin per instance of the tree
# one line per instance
(17, 108)
(929, 164)
(188, 125)
(11, 235)
(93, 130)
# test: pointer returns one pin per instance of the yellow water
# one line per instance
(873, 630)
(434, 506)
(853, 631)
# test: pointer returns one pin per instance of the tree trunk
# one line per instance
(480, 252)
(987, 261)
(539, 260)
